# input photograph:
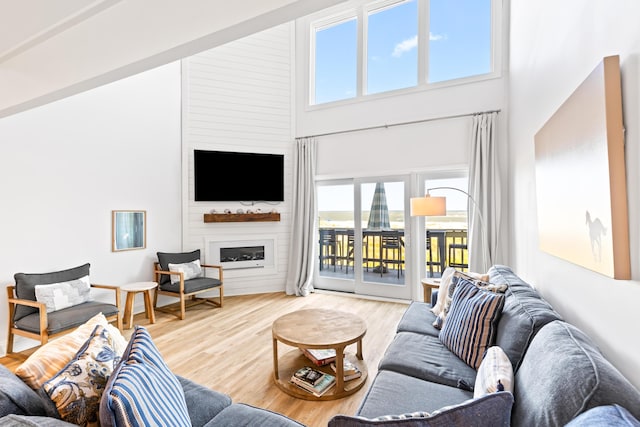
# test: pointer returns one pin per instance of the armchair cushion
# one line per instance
(193, 285)
(166, 258)
(190, 270)
(26, 284)
(67, 318)
(57, 296)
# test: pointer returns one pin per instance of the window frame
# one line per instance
(360, 10)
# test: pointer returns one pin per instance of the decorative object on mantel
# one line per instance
(242, 217)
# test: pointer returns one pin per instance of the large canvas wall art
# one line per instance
(580, 177)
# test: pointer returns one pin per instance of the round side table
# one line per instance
(132, 289)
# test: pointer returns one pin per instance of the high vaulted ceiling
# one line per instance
(50, 49)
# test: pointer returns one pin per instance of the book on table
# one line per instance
(317, 383)
(351, 370)
(320, 357)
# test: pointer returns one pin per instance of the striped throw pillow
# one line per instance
(142, 390)
(471, 325)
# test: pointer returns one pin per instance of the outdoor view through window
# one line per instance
(457, 44)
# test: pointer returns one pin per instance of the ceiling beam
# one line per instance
(130, 37)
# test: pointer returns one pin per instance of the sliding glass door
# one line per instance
(363, 235)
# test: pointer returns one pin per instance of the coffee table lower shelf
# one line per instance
(294, 360)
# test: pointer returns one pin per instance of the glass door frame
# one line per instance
(357, 285)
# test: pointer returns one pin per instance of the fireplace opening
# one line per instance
(239, 254)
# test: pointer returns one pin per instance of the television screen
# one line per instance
(227, 176)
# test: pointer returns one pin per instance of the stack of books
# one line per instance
(351, 370)
(320, 357)
(313, 381)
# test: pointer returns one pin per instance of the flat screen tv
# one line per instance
(227, 176)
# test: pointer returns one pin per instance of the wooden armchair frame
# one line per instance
(44, 335)
(186, 299)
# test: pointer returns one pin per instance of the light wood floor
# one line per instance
(229, 349)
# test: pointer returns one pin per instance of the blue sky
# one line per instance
(459, 46)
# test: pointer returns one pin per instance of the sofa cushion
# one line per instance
(470, 327)
(50, 358)
(410, 395)
(576, 378)
(13, 420)
(523, 314)
(166, 258)
(26, 285)
(607, 415)
(142, 389)
(491, 410)
(427, 358)
(203, 403)
(418, 318)
(241, 414)
(77, 388)
(67, 318)
(495, 373)
(16, 397)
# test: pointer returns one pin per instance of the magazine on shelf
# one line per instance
(320, 357)
(308, 375)
(351, 371)
(323, 385)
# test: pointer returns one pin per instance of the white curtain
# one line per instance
(302, 241)
(484, 187)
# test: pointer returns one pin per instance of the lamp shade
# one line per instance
(428, 206)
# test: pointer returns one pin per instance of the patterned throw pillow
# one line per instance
(495, 373)
(76, 390)
(191, 270)
(142, 390)
(49, 359)
(480, 280)
(61, 295)
(472, 321)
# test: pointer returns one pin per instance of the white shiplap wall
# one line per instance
(238, 97)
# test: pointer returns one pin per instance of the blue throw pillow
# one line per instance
(142, 390)
(490, 410)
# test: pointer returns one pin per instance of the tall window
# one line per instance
(388, 45)
(392, 47)
(336, 50)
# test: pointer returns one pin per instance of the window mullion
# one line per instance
(423, 42)
(362, 52)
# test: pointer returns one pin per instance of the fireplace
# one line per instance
(242, 253)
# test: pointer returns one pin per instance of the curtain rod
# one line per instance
(386, 126)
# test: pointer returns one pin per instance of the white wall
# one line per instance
(68, 164)
(238, 97)
(554, 46)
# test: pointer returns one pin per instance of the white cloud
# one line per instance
(435, 37)
(405, 46)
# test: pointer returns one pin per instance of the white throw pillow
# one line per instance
(191, 270)
(495, 367)
(61, 295)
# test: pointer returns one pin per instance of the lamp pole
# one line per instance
(485, 247)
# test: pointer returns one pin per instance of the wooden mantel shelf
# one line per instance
(246, 217)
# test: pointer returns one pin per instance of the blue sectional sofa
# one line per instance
(558, 372)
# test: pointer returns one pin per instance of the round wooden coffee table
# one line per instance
(319, 329)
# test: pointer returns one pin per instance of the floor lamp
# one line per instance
(437, 206)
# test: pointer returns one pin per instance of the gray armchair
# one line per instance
(30, 318)
(189, 280)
